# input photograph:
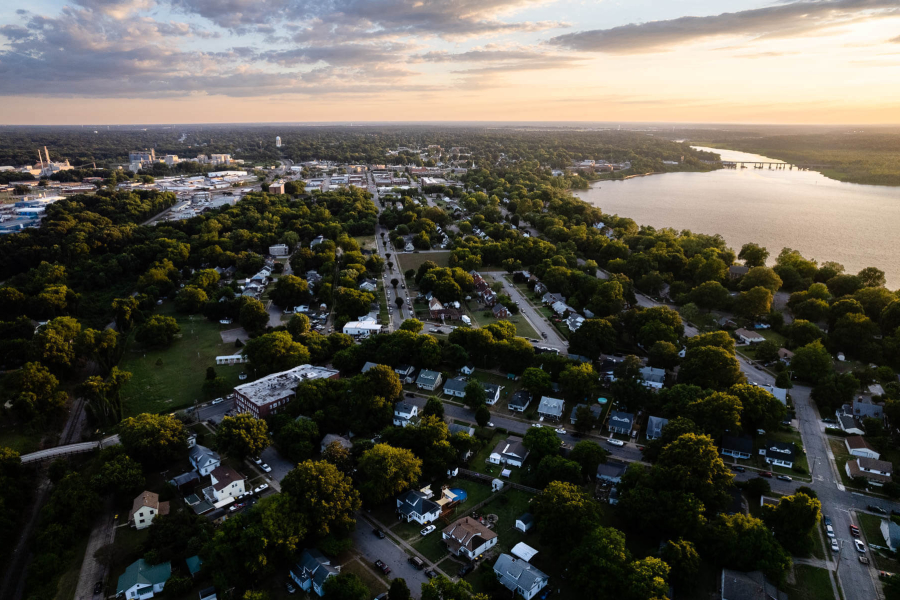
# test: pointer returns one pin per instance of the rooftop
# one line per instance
(278, 385)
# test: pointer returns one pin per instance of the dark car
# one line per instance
(378, 533)
(826, 519)
(738, 469)
(877, 509)
(417, 562)
(382, 567)
(465, 569)
(98, 587)
(430, 574)
(766, 474)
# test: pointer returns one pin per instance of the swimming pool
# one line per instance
(459, 493)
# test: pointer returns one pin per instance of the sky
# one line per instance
(221, 61)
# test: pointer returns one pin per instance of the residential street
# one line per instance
(92, 571)
(371, 548)
(531, 314)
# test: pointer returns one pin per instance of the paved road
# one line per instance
(371, 548)
(538, 321)
(91, 570)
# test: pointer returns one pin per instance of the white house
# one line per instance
(469, 538)
(655, 426)
(417, 505)
(491, 393)
(225, 483)
(779, 453)
(142, 580)
(519, 576)
(428, 380)
(746, 336)
(510, 451)
(369, 285)
(736, 447)
(519, 401)
(203, 459)
(467, 369)
(361, 328)
(146, 508)
(456, 387)
(858, 446)
(278, 250)
(620, 422)
(551, 408)
(312, 570)
(877, 472)
(405, 413)
(653, 378)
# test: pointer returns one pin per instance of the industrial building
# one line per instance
(270, 394)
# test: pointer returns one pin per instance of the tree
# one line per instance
(767, 351)
(275, 352)
(383, 381)
(564, 513)
(541, 442)
(584, 419)
(578, 381)
(385, 471)
(475, 394)
(717, 413)
(759, 408)
(345, 586)
(871, 277)
(190, 300)
(434, 407)
(441, 588)
(647, 578)
(812, 362)
(718, 339)
(692, 464)
(298, 325)
(802, 332)
(600, 563)
(792, 520)
(290, 291)
(753, 255)
(743, 542)
(761, 277)
(298, 439)
(153, 440)
(413, 325)
(783, 380)
(684, 562)
(322, 497)
(663, 355)
(754, 303)
(339, 456)
(536, 381)
(35, 392)
(399, 590)
(710, 295)
(482, 415)
(122, 475)
(253, 315)
(557, 468)
(854, 334)
(242, 435)
(157, 331)
(594, 337)
(395, 282)
(710, 367)
(588, 455)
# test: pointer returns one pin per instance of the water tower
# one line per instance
(278, 141)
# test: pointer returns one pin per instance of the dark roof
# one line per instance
(619, 419)
(526, 518)
(457, 384)
(784, 451)
(415, 501)
(520, 398)
(611, 469)
(741, 444)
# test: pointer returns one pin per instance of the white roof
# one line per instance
(524, 551)
(361, 325)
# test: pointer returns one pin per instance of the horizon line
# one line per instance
(457, 123)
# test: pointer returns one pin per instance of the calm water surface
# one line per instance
(855, 225)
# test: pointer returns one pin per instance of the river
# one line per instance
(855, 225)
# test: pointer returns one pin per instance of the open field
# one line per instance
(812, 584)
(167, 379)
(412, 260)
(523, 327)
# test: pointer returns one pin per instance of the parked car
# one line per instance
(378, 533)
(826, 519)
(560, 430)
(834, 546)
(261, 488)
(877, 509)
(428, 529)
(860, 547)
(417, 562)
(766, 474)
(784, 478)
(257, 460)
(383, 567)
(829, 531)
(290, 588)
(465, 569)
(854, 530)
(615, 442)
(265, 468)
(235, 507)
(430, 574)
(864, 560)
(738, 469)
(218, 401)
(98, 587)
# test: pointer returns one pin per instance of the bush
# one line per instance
(176, 586)
(798, 469)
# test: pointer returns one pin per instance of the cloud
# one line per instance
(780, 20)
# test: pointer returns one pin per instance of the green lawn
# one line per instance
(22, 438)
(432, 546)
(374, 582)
(841, 456)
(812, 583)
(784, 435)
(172, 378)
(509, 506)
(523, 327)
(871, 528)
(129, 543)
(479, 461)
(510, 387)
(411, 260)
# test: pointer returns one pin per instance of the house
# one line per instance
(454, 428)
(551, 408)
(848, 424)
(737, 271)
(745, 336)
(780, 454)
(332, 438)
(519, 576)
(864, 408)
(655, 426)
(491, 393)
(362, 328)
(456, 387)
(574, 322)
(368, 285)
(404, 413)
(551, 299)
(620, 422)
(469, 538)
(510, 451)
(368, 366)
(312, 570)
(208, 593)
(858, 446)
(225, 483)
(611, 470)
(193, 564)
(736, 447)
(142, 580)
(738, 585)
(405, 372)
(652, 378)
(780, 393)
(185, 482)
(417, 505)
(467, 369)
(428, 380)
(316, 241)
(561, 308)
(278, 250)
(891, 533)
(525, 523)
(146, 508)
(596, 411)
(877, 472)
(519, 401)
(500, 311)
(785, 355)
(203, 459)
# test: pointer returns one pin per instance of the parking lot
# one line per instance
(371, 548)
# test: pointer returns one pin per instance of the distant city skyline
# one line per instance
(692, 61)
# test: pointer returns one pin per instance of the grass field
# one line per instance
(171, 378)
(375, 583)
(523, 327)
(812, 583)
(411, 260)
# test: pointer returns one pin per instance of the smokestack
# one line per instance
(41, 159)
(47, 154)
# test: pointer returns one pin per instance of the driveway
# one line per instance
(280, 465)
(371, 549)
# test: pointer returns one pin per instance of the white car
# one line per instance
(834, 546)
(428, 530)
(257, 460)
(261, 488)
(491, 424)
(860, 547)
(218, 401)
(265, 468)
(560, 430)
(615, 442)
(536, 425)
(829, 531)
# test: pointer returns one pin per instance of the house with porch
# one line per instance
(510, 451)
(467, 537)
(141, 580)
(876, 472)
(780, 454)
(428, 380)
(203, 459)
(146, 508)
(417, 505)
(405, 414)
(655, 426)
(736, 447)
(491, 393)
(225, 483)
(456, 387)
(745, 336)
(520, 577)
(551, 408)
(312, 570)
(620, 422)
(519, 401)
